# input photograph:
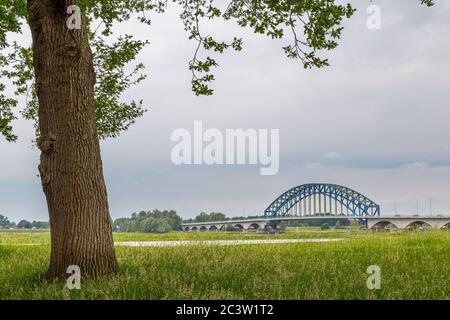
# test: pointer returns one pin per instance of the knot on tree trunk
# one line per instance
(45, 176)
(46, 143)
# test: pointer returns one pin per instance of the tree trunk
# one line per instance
(71, 166)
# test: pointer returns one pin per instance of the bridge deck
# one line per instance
(369, 219)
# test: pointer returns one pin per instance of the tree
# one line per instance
(324, 226)
(133, 226)
(74, 78)
(146, 225)
(24, 224)
(152, 221)
(213, 216)
(155, 225)
(202, 217)
(171, 217)
(217, 216)
(40, 224)
(121, 224)
(4, 221)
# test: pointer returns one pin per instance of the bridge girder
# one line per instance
(357, 205)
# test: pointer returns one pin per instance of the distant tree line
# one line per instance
(23, 224)
(215, 216)
(149, 221)
(207, 217)
(157, 221)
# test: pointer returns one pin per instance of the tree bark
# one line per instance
(71, 168)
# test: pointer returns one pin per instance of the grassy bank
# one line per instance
(413, 266)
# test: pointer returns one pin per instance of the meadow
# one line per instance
(414, 265)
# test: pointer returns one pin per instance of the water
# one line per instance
(216, 242)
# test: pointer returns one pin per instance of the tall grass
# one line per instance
(413, 266)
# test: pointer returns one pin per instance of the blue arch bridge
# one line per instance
(316, 201)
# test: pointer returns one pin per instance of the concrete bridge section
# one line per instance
(378, 222)
(403, 222)
(237, 225)
(251, 224)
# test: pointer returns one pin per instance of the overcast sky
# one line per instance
(377, 120)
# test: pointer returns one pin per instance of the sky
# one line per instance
(376, 120)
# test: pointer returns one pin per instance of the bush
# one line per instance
(324, 226)
(339, 226)
(303, 225)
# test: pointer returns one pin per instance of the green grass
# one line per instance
(413, 266)
(39, 237)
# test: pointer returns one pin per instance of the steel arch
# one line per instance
(357, 204)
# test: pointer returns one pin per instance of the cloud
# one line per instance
(415, 165)
(313, 166)
(331, 155)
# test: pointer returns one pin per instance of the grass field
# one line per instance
(414, 265)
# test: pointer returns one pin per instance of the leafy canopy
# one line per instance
(313, 26)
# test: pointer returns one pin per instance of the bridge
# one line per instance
(316, 201)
